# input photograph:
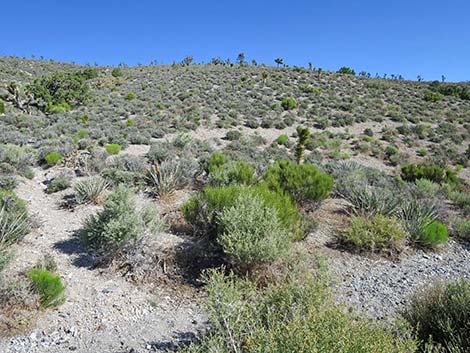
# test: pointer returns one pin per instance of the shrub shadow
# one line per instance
(73, 246)
(179, 341)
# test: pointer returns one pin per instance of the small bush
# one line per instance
(116, 226)
(431, 172)
(117, 72)
(58, 184)
(462, 228)
(52, 158)
(346, 70)
(303, 181)
(430, 96)
(288, 103)
(112, 148)
(252, 233)
(90, 189)
(216, 160)
(130, 96)
(233, 173)
(2, 107)
(282, 140)
(48, 285)
(433, 234)
(233, 135)
(203, 209)
(377, 233)
(441, 314)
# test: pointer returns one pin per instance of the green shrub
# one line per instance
(62, 89)
(290, 315)
(117, 72)
(14, 220)
(48, 285)
(130, 96)
(52, 158)
(433, 234)
(430, 96)
(346, 70)
(377, 233)
(462, 228)
(216, 160)
(233, 173)
(431, 172)
(90, 189)
(116, 226)
(58, 184)
(304, 182)
(282, 140)
(233, 135)
(288, 103)
(61, 107)
(303, 136)
(252, 232)
(112, 148)
(203, 209)
(441, 314)
(2, 107)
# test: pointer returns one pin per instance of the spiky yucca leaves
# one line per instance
(416, 214)
(371, 201)
(170, 175)
(90, 189)
(13, 226)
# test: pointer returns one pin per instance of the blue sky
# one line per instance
(429, 38)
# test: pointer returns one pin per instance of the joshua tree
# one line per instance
(319, 72)
(241, 58)
(443, 78)
(310, 66)
(254, 62)
(420, 78)
(187, 60)
(279, 61)
(302, 138)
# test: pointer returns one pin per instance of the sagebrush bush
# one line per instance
(433, 234)
(303, 181)
(112, 148)
(376, 233)
(52, 158)
(291, 315)
(441, 314)
(90, 189)
(462, 228)
(60, 183)
(48, 285)
(203, 209)
(117, 225)
(252, 232)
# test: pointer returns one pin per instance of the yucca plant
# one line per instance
(13, 226)
(371, 201)
(416, 214)
(166, 177)
(90, 190)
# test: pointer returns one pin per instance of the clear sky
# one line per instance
(421, 37)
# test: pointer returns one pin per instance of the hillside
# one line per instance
(126, 185)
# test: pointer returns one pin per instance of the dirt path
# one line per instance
(102, 312)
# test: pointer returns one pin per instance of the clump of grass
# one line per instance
(60, 183)
(440, 314)
(52, 158)
(112, 148)
(377, 233)
(48, 285)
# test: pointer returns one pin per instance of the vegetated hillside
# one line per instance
(231, 208)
